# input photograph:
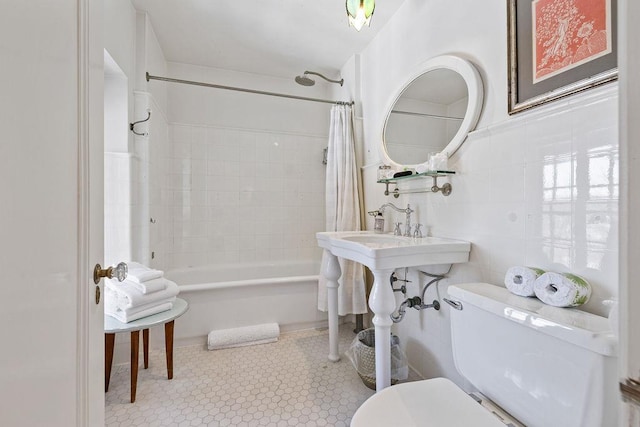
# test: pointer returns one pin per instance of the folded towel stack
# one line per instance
(144, 292)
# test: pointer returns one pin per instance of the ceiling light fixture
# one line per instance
(360, 12)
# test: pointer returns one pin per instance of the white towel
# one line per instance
(151, 286)
(136, 265)
(141, 276)
(240, 337)
(124, 318)
(520, 280)
(111, 304)
(127, 295)
(140, 273)
(562, 290)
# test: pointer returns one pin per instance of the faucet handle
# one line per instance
(396, 230)
(417, 233)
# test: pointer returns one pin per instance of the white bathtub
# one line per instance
(223, 297)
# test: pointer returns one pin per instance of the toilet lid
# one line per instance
(430, 403)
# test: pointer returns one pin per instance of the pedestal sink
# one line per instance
(382, 253)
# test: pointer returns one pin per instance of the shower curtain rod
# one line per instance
(239, 89)
(435, 116)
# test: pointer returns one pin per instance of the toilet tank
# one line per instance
(546, 366)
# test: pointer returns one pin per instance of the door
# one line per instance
(629, 64)
(51, 357)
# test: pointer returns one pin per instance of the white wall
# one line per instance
(120, 193)
(135, 164)
(119, 43)
(539, 188)
(245, 170)
(152, 213)
(117, 161)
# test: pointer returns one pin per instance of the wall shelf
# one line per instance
(445, 189)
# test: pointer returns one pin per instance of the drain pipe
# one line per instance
(417, 302)
(436, 278)
(414, 302)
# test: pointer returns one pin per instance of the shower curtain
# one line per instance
(343, 210)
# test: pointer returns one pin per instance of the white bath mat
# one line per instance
(240, 337)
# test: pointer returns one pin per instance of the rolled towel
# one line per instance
(125, 318)
(562, 290)
(240, 337)
(519, 280)
(127, 295)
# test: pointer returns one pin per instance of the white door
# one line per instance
(629, 64)
(51, 339)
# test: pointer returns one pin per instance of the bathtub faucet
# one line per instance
(407, 211)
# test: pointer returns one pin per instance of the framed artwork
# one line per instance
(559, 47)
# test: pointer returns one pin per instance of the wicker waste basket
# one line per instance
(362, 354)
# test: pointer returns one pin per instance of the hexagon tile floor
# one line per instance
(288, 383)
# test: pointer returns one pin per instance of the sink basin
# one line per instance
(377, 240)
(384, 251)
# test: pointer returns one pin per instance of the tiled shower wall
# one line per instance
(243, 195)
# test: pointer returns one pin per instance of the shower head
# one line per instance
(304, 80)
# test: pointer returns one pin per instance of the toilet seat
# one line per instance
(436, 402)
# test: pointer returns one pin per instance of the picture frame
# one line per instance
(557, 48)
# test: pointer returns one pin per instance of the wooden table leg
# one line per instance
(145, 346)
(135, 349)
(168, 345)
(109, 340)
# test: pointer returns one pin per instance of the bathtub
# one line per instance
(223, 297)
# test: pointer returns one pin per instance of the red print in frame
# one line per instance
(568, 33)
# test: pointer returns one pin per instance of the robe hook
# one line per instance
(131, 125)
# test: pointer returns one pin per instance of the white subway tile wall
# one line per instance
(546, 194)
(540, 189)
(239, 195)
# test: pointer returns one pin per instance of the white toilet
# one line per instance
(544, 366)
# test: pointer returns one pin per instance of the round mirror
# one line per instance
(433, 112)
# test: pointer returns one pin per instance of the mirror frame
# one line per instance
(475, 90)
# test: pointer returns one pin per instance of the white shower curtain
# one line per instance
(343, 210)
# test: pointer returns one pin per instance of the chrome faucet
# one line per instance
(407, 211)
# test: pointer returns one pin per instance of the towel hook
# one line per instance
(131, 125)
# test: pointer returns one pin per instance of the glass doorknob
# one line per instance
(119, 272)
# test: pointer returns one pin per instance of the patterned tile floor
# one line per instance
(288, 383)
